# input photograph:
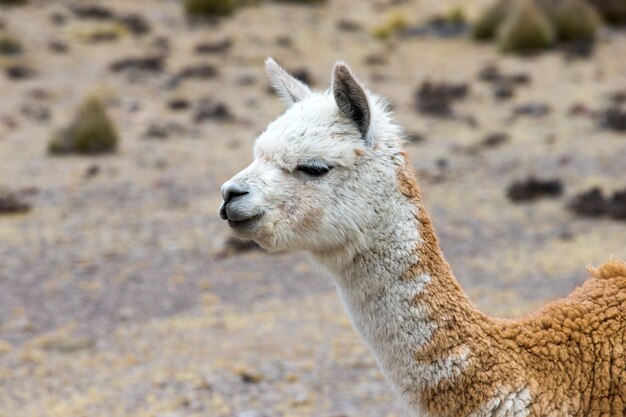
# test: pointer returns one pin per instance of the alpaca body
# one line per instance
(445, 358)
(330, 177)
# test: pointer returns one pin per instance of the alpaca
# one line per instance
(329, 177)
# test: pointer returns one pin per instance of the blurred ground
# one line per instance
(115, 296)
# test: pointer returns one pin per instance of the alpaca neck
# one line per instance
(404, 301)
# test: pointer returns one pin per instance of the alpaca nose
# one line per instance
(231, 191)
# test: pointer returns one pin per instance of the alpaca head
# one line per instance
(322, 171)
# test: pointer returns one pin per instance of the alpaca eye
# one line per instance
(314, 170)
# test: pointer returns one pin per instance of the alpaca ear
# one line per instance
(290, 89)
(351, 99)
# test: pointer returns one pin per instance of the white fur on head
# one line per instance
(329, 213)
(352, 99)
(289, 88)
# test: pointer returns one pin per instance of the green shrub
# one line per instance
(9, 45)
(613, 11)
(456, 15)
(210, 7)
(91, 131)
(574, 20)
(526, 29)
(486, 27)
(301, 1)
(396, 22)
(12, 2)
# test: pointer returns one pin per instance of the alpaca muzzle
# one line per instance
(235, 208)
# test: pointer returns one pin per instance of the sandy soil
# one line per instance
(115, 297)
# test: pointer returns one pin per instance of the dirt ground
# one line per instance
(117, 297)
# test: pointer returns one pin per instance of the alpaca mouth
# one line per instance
(241, 224)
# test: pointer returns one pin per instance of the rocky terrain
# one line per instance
(121, 293)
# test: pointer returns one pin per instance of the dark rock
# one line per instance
(58, 47)
(161, 45)
(376, 59)
(92, 11)
(494, 140)
(442, 27)
(439, 27)
(346, 25)
(92, 171)
(533, 189)
(136, 24)
(592, 203)
(616, 207)
(303, 75)
(618, 98)
(579, 110)
(164, 130)
(582, 49)
(535, 110)
(39, 93)
(148, 63)
(436, 98)
(519, 79)
(177, 104)
(36, 112)
(250, 378)
(215, 47)
(58, 18)
(198, 71)
(10, 203)
(19, 72)
(284, 41)
(9, 122)
(503, 91)
(589, 203)
(208, 109)
(613, 118)
(245, 79)
(490, 73)
(442, 164)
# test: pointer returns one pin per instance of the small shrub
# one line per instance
(574, 20)
(301, 1)
(396, 22)
(456, 15)
(526, 29)
(91, 131)
(9, 45)
(210, 7)
(613, 11)
(13, 2)
(486, 27)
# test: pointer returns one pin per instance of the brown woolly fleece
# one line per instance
(567, 359)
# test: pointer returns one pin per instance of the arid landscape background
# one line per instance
(121, 293)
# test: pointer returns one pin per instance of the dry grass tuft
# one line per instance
(486, 27)
(209, 8)
(573, 20)
(526, 29)
(91, 131)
